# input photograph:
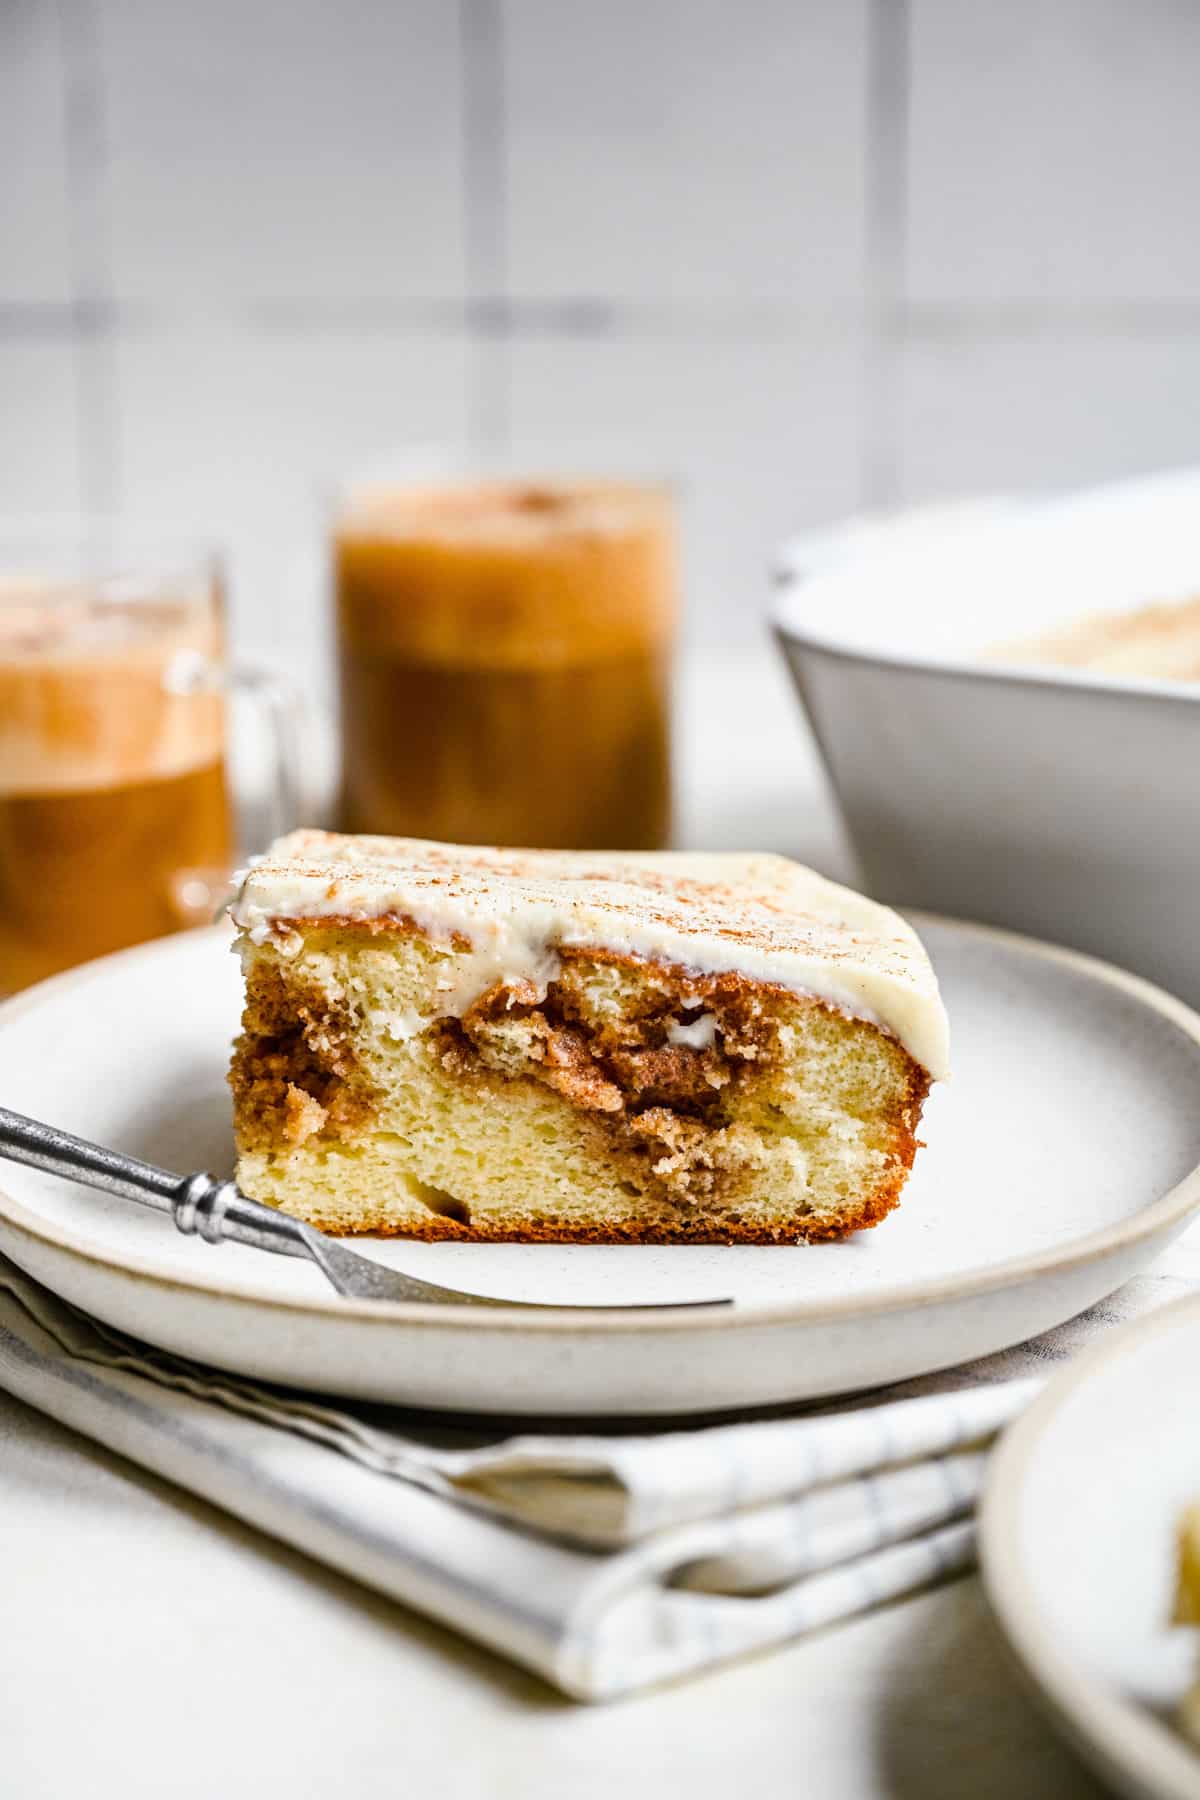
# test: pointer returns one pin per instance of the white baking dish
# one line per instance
(1062, 803)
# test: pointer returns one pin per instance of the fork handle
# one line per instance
(200, 1204)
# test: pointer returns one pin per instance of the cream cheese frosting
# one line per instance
(509, 912)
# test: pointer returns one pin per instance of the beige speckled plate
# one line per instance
(1077, 1539)
(1061, 1157)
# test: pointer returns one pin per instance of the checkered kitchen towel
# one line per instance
(605, 1563)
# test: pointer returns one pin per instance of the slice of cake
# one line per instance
(474, 1043)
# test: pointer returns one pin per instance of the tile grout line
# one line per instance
(91, 308)
(583, 318)
(888, 74)
(485, 221)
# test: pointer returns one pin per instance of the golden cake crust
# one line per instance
(533, 1228)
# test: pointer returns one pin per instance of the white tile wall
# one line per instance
(798, 254)
(687, 149)
(34, 247)
(284, 149)
(1045, 411)
(1054, 151)
(39, 467)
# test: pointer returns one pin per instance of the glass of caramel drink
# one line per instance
(115, 814)
(504, 655)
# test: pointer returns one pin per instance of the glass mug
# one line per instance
(116, 817)
(504, 660)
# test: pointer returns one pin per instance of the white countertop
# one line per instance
(150, 1646)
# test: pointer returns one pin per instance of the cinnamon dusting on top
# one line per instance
(763, 917)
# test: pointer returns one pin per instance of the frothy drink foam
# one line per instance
(87, 694)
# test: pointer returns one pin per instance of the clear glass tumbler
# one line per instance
(504, 657)
(116, 817)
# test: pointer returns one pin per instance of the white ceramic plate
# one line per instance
(1062, 1156)
(1077, 1542)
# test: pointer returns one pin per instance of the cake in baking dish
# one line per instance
(445, 1042)
(1187, 1605)
(1158, 642)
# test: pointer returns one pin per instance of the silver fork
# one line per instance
(216, 1210)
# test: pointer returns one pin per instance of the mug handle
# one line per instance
(199, 895)
(280, 707)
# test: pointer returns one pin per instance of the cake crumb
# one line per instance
(304, 1117)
